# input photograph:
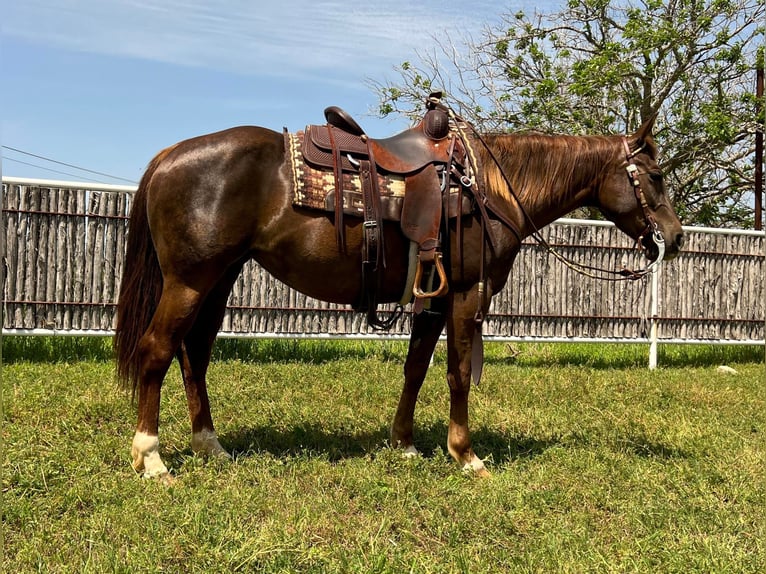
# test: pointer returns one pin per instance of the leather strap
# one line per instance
(370, 230)
(372, 247)
(477, 347)
(651, 223)
(338, 173)
(380, 256)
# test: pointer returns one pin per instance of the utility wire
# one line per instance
(66, 164)
(50, 169)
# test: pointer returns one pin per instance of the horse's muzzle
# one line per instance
(672, 248)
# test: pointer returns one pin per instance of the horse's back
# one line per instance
(219, 152)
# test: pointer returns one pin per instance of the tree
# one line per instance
(601, 66)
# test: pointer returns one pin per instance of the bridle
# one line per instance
(587, 270)
(651, 223)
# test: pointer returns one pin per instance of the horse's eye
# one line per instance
(656, 176)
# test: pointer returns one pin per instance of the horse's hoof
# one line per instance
(205, 443)
(410, 452)
(163, 477)
(217, 455)
(476, 467)
(166, 479)
(146, 456)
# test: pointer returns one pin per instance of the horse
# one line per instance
(207, 205)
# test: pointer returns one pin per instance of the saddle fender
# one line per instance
(421, 221)
(421, 213)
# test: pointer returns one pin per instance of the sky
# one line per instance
(106, 84)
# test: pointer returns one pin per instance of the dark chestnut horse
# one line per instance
(207, 205)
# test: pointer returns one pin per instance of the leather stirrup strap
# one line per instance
(370, 225)
(340, 235)
(373, 256)
(477, 346)
(377, 211)
(370, 244)
(459, 214)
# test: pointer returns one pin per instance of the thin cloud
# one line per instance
(283, 38)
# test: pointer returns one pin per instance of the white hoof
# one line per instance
(410, 452)
(205, 443)
(476, 466)
(146, 456)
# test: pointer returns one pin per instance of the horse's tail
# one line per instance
(141, 285)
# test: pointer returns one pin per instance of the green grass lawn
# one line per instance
(599, 465)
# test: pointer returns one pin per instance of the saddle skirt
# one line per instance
(313, 185)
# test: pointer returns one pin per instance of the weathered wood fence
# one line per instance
(64, 244)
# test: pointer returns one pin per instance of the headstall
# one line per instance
(583, 269)
(651, 223)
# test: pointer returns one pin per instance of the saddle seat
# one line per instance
(403, 153)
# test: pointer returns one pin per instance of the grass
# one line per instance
(598, 464)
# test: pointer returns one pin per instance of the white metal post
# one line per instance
(653, 305)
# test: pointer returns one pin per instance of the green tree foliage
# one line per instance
(603, 66)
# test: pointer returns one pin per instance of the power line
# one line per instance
(65, 164)
(50, 169)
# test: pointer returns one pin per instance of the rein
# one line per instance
(581, 268)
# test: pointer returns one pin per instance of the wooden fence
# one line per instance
(64, 243)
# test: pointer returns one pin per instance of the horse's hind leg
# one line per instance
(174, 316)
(194, 357)
(426, 328)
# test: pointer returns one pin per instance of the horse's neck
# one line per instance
(552, 175)
(559, 204)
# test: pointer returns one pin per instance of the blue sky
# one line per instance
(105, 84)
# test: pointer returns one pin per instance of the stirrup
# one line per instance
(443, 284)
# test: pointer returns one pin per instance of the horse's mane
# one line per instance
(541, 167)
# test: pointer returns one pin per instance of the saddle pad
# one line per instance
(314, 188)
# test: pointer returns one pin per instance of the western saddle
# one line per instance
(427, 156)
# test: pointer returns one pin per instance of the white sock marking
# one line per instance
(146, 455)
(476, 465)
(410, 452)
(205, 442)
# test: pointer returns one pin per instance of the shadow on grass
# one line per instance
(639, 444)
(312, 439)
(17, 349)
(620, 356)
(267, 351)
(63, 349)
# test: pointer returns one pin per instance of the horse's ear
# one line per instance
(645, 131)
(643, 139)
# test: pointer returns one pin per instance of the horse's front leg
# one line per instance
(461, 329)
(426, 328)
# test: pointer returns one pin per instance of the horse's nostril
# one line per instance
(680, 240)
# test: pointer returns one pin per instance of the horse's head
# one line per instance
(633, 196)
